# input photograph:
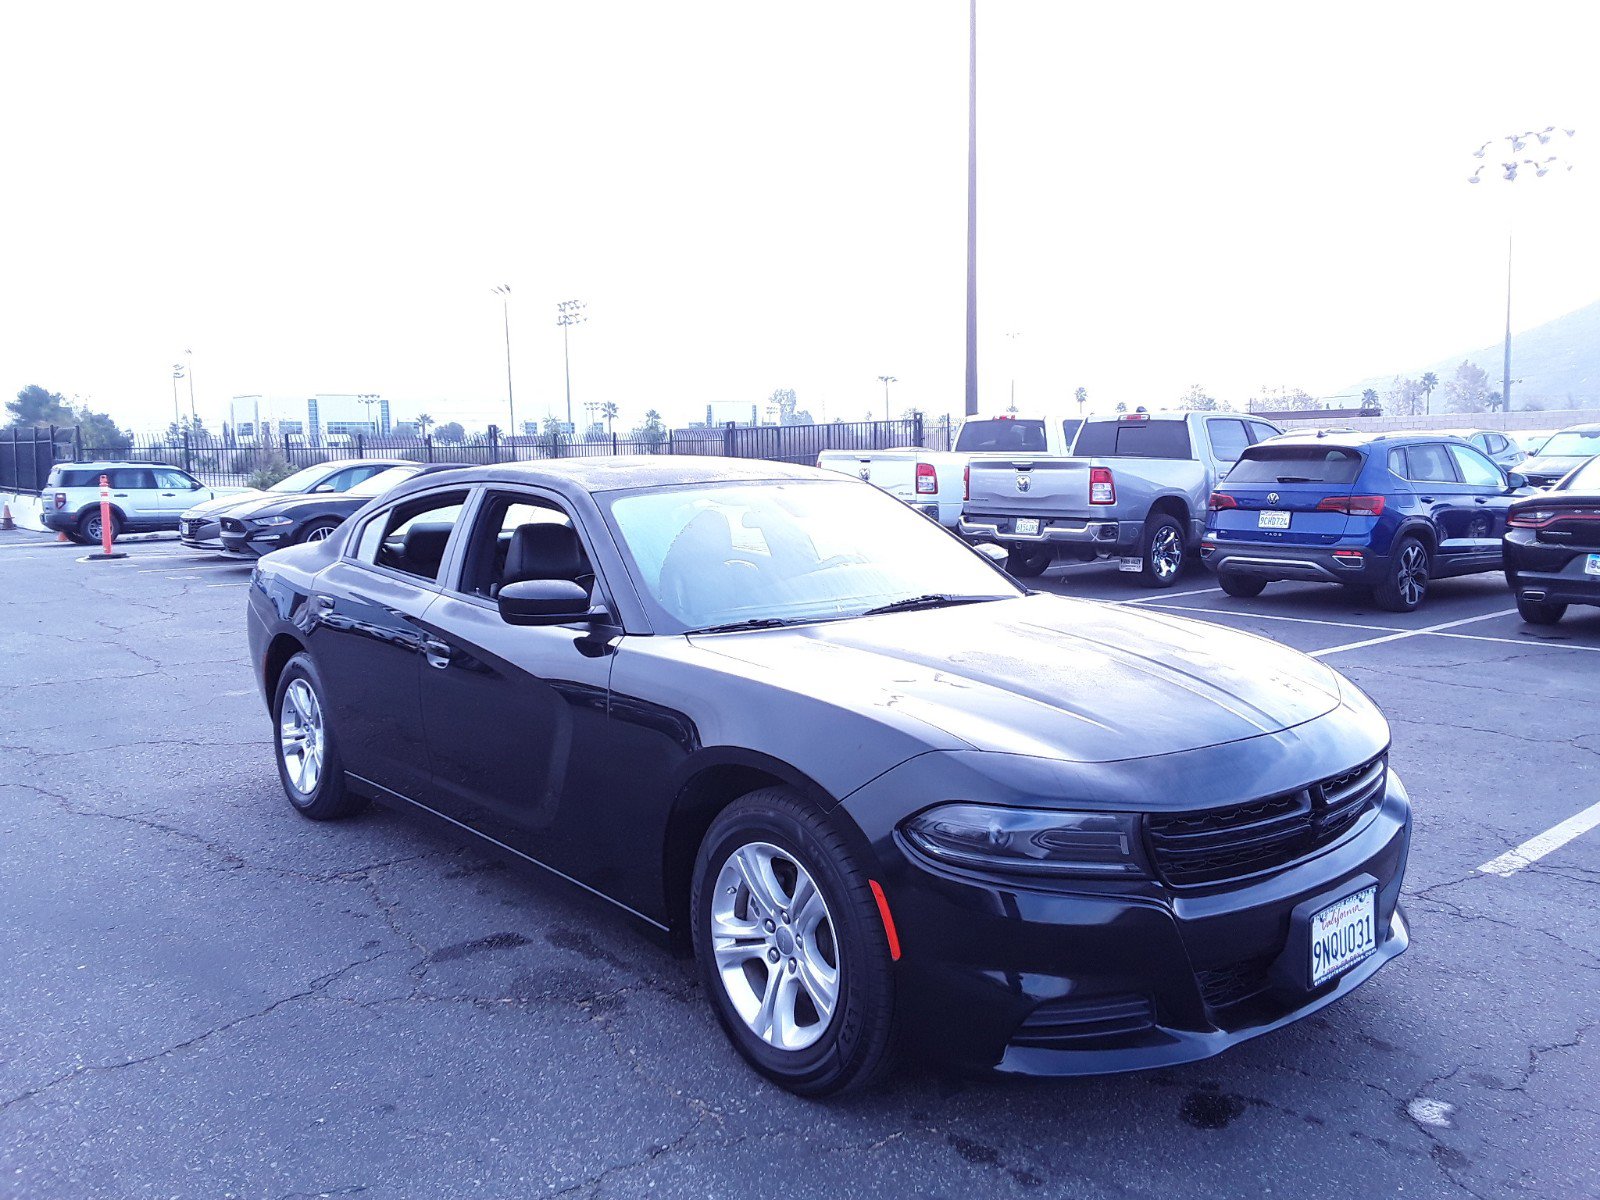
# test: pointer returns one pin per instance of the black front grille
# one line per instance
(1235, 982)
(1059, 1022)
(1246, 839)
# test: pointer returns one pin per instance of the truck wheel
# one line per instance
(1164, 552)
(1029, 564)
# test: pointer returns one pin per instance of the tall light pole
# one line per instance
(972, 212)
(369, 399)
(1012, 338)
(568, 314)
(1509, 173)
(177, 413)
(886, 380)
(504, 292)
(189, 366)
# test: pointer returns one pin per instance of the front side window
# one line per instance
(1429, 463)
(411, 537)
(1475, 468)
(519, 537)
(174, 481)
(719, 554)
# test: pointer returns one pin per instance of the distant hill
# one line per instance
(1558, 363)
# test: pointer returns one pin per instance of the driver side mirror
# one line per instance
(322, 487)
(542, 602)
(1515, 481)
(995, 553)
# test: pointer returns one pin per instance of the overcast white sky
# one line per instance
(318, 198)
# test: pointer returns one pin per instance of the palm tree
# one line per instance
(1429, 382)
(608, 410)
(423, 421)
(1082, 397)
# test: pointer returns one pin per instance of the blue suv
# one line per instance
(1379, 512)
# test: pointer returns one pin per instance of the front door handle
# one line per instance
(437, 652)
(1426, 499)
(1480, 499)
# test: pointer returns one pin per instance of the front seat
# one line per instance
(423, 548)
(546, 551)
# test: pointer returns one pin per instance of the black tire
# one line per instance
(1246, 587)
(1165, 553)
(1030, 564)
(853, 1047)
(1404, 585)
(89, 528)
(1540, 612)
(316, 531)
(328, 798)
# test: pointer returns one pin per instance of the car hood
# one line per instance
(300, 505)
(1072, 679)
(221, 504)
(1555, 464)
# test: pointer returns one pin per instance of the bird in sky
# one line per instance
(1510, 169)
(1482, 150)
(1544, 134)
(1518, 141)
(1473, 178)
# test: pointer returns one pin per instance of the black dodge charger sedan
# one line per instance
(1552, 547)
(886, 795)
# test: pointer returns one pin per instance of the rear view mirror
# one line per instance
(995, 553)
(542, 602)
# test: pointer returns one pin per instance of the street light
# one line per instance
(1509, 174)
(189, 363)
(886, 380)
(504, 292)
(369, 399)
(177, 374)
(568, 314)
(1012, 338)
(972, 212)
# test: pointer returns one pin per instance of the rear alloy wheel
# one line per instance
(317, 531)
(1164, 554)
(1243, 586)
(1540, 612)
(1405, 585)
(1029, 564)
(792, 950)
(308, 758)
(89, 531)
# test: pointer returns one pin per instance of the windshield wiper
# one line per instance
(932, 600)
(753, 623)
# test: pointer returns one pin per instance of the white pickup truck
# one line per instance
(935, 481)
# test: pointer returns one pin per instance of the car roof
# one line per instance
(1589, 427)
(91, 464)
(1356, 439)
(613, 473)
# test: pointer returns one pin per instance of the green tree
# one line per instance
(424, 422)
(1082, 397)
(1403, 398)
(1287, 400)
(608, 410)
(653, 429)
(100, 433)
(1429, 382)
(195, 427)
(1369, 398)
(1196, 400)
(451, 431)
(788, 406)
(1468, 390)
(35, 406)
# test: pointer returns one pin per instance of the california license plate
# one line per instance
(1592, 567)
(1027, 526)
(1343, 934)
(1272, 518)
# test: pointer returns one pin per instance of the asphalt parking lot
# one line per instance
(206, 995)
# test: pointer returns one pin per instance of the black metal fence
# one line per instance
(27, 455)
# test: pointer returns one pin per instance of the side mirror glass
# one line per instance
(542, 602)
(1515, 481)
(994, 552)
(322, 487)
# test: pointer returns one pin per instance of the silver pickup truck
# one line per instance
(1134, 489)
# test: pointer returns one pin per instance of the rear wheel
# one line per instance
(89, 531)
(1029, 564)
(1540, 612)
(791, 947)
(1243, 586)
(308, 757)
(1164, 554)
(1405, 585)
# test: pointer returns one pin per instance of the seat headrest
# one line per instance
(424, 545)
(544, 551)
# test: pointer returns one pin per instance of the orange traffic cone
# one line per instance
(6, 523)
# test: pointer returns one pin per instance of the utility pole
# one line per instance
(568, 314)
(972, 213)
(1505, 377)
(189, 359)
(177, 413)
(886, 380)
(504, 292)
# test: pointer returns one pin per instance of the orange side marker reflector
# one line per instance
(888, 920)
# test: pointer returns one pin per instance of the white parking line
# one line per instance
(1409, 633)
(1171, 595)
(1228, 612)
(1535, 848)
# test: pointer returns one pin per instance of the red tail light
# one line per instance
(927, 479)
(966, 482)
(61, 499)
(1221, 500)
(1353, 506)
(1102, 488)
(1538, 518)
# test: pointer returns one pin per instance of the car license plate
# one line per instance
(1343, 934)
(1592, 567)
(1272, 518)
(1130, 564)
(1027, 526)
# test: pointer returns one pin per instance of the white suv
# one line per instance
(144, 496)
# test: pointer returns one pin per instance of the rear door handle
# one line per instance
(437, 652)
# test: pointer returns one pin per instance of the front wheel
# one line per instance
(1405, 585)
(1029, 564)
(792, 950)
(1164, 553)
(1540, 612)
(317, 531)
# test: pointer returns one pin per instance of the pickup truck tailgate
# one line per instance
(895, 471)
(1046, 487)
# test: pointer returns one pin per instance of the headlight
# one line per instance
(1030, 841)
(274, 521)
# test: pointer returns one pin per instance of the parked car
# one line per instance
(934, 483)
(272, 521)
(144, 497)
(719, 695)
(1552, 547)
(1386, 512)
(1134, 489)
(1570, 448)
(200, 527)
(1499, 448)
(1530, 441)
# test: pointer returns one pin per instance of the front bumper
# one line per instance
(200, 534)
(1103, 536)
(1099, 977)
(1311, 564)
(251, 544)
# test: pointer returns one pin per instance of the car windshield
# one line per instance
(725, 554)
(1585, 479)
(1574, 443)
(1296, 464)
(382, 481)
(302, 480)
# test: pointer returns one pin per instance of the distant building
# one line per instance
(720, 412)
(328, 418)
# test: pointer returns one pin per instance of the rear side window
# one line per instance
(1134, 439)
(1024, 437)
(1229, 439)
(131, 480)
(72, 479)
(411, 538)
(1429, 463)
(1297, 464)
